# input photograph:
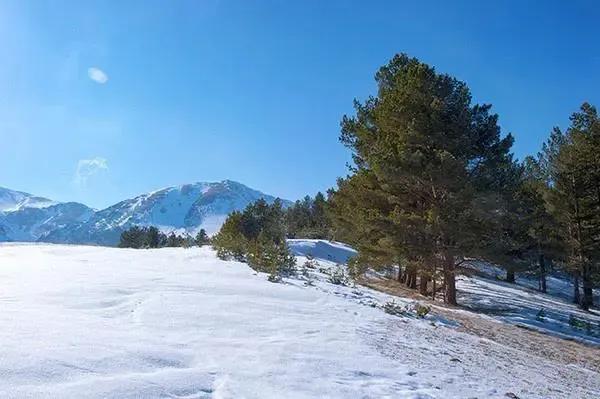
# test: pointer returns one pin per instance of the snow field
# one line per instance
(179, 323)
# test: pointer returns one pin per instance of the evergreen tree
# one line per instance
(153, 239)
(308, 218)
(573, 167)
(256, 236)
(202, 238)
(133, 238)
(142, 237)
(230, 242)
(427, 161)
(546, 244)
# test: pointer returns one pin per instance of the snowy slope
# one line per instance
(336, 252)
(186, 208)
(522, 305)
(11, 200)
(179, 323)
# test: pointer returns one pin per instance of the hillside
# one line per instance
(104, 322)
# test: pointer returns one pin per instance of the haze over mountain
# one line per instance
(183, 209)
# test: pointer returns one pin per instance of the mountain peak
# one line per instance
(11, 200)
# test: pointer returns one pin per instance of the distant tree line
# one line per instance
(434, 184)
(152, 237)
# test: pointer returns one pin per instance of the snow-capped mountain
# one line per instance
(25, 217)
(186, 208)
(32, 224)
(11, 200)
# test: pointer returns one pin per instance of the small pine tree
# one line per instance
(202, 238)
(152, 237)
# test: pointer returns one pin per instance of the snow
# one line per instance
(520, 304)
(12, 201)
(321, 249)
(99, 322)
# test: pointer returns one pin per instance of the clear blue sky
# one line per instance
(253, 91)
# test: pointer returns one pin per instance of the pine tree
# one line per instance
(257, 236)
(230, 242)
(426, 161)
(133, 238)
(152, 237)
(546, 241)
(202, 238)
(573, 165)
(308, 218)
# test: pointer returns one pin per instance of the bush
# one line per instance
(339, 277)
(310, 264)
(415, 310)
(422, 310)
(394, 308)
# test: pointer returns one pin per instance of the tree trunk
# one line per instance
(542, 263)
(411, 280)
(400, 274)
(576, 295)
(433, 282)
(510, 276)
(449, 280)
(588, 295)
(423, 284)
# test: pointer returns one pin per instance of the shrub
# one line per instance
(422, 310)
(339, 277)
(394, 308)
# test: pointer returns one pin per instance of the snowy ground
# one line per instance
(178, 323)
(521, 304)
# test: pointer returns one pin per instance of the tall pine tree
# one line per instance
(427, 162)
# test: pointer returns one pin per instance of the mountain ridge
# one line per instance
(183, 208)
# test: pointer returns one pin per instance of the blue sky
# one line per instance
(100, 101)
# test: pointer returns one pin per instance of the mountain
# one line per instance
(11, 200)
(183, 209)
(25, 217)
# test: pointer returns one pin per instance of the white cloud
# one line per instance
(87, 168)
(97, 75)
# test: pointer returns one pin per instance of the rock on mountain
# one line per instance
(183, 209)
(25, 217)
